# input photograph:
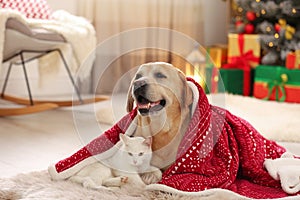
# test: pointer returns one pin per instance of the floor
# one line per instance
(32, 142)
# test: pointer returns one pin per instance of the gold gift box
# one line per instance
(218, 54)
(250, 42)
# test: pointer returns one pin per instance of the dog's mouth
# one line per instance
(146, 106)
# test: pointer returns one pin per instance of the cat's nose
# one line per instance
(134, 161)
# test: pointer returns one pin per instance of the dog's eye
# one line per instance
(138, 76)
(160, 75)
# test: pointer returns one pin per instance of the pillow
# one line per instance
(38, 9)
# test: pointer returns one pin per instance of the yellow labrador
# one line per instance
(163, 98)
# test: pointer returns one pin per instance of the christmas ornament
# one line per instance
(238, 23)
(239, 27)
(277, 27)
(251, 16)
(249, 28)
(289, 31)
(276, 21)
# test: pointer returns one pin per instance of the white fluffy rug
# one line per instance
(277, 121)
(38, 186)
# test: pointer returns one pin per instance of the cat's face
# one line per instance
(137, 150)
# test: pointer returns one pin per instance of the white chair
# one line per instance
(23, 44)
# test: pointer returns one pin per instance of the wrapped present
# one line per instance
(277, 83)
(293, 60)
(243, 54)
(244, 48)
(212, 80)
(226, 80)
(218, 54)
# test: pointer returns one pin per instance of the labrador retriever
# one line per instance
(163, 99)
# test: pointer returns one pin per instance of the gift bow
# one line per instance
(278, 85)
(242, 62)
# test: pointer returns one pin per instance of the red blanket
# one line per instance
(219, 150)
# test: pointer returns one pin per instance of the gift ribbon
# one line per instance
(297, 59)
(242, 62)
(278, 85)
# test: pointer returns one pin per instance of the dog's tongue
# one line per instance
(147, 105)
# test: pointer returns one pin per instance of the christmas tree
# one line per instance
(276, 21)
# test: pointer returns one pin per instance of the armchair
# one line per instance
(26, 40)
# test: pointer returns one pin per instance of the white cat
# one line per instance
(132, 158)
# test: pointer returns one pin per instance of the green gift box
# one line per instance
(277, 83)
(226, 80)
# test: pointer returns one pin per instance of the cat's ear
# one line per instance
(123, 138)
(148, 141)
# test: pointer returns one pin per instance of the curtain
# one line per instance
(122, 26)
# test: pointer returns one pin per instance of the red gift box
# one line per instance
(241, 55)
(277, 83)
(293, 60)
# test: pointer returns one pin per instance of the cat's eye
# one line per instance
(140, 154)
(130, 154)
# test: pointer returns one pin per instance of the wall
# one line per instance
(215, 31)
(215, 18)
(215, 21)
(68, 5)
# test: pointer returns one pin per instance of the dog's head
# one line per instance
(157, 86)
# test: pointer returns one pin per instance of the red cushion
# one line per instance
(38, 9)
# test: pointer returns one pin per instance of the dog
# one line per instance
(163, 99)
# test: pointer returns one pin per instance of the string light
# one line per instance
(257, 1)
(276, 35)
(268, 29)
(294, 11)
(271, 44)
(238, 18)
(240, 9)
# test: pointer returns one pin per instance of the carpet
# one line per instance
(38, 185)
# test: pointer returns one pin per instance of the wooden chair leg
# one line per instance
(4, 112)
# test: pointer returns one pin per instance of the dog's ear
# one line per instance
(187, 94)
(130, 99)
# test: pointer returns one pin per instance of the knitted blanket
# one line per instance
(219, 150)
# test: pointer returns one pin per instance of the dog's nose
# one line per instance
(139, 83)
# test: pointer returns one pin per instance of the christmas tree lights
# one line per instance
(276, 21)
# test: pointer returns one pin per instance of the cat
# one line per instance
(132, 158)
